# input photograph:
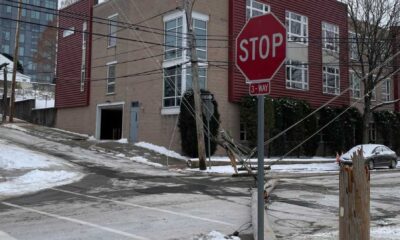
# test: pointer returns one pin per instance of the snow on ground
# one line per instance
(298, 168)
(27, 171)
(377, 233)
(161, 150)
(143, 160)
(37, 180)
(214, 235)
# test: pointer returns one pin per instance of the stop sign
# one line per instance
(261, 48)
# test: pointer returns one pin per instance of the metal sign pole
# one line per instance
(260, 176)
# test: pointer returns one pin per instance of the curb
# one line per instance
(268, 231)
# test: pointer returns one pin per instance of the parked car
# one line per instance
(376, 155)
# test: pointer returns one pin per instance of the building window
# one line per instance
(172, 86)
(297, 27)
(69, 31)
(386, 89)
(177, 67)
(372, 132)
(202, 77)
(84, 35)
(200, 30)
(111, 73)
(353, 49)
(83, 78)
(254, 8)
(330, 37)
(6, 49)
(331, 78)
(21, 51)
(173, 38)
(243, 131)
(355, 85)
(35, 14)
(296, 75)
(112, 30)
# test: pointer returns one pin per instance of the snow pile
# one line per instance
(311, 167)
(28, 171)
(161, 150)
(145, 161)
(13, 157)
(214, 235)
(123, 140)
(37, 180)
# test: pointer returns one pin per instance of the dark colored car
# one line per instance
(376, 155)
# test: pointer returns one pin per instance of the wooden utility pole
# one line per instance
(354, 200)
(188, 6)
(14, 75)
(5, 89)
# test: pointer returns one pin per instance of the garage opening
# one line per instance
(111, 124)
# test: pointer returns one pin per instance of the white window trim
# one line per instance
(351, 43)
(325, 83)
(183, 60)
(352, 73)
(324, 38)
(304, 82)
(115, 77)
(388, 93)
(109, 32)
(251, 8)
(303, 23)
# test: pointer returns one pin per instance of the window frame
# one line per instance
(386, 90)
(250, 9)
(113, 83)
(182, 61)
(336, 34)
(355, 92)
(303, 27)
(303, 67)
(353, 49)
(112, 36)
(325, 84)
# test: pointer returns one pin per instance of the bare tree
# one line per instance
(46, 52)
(375, 24)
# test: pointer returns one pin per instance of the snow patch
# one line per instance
(214, 235)
(13, 157)
(15, 127)
(143, 160)
(37, 180)
(123, 140)
(161, 150)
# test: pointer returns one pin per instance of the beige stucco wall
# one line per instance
(154, 127)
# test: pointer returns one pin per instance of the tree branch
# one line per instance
(384, 104)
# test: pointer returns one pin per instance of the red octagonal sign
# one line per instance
(261, 48)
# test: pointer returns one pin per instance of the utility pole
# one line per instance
(5, 104)
(188, 6)
(354, 200)
(14, 75)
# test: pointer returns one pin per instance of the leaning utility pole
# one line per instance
(354, 200)
(14, 73)
(188, 6)
(5, 104)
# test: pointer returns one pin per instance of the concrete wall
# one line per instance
(44, 117)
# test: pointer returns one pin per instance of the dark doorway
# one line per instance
(111, 124)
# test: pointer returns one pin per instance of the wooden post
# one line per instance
(354, 200)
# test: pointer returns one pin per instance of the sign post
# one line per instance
(260, 53)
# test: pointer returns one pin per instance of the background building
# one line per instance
(37, 49)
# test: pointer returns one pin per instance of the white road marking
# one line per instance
(125, 234)
(145, 207)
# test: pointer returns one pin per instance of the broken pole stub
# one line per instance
(354, 200)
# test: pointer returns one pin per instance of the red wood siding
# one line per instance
(69, 56)
(329, 11)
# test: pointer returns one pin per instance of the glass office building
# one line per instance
(37, 48)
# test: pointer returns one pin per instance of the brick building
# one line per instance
(130, 70)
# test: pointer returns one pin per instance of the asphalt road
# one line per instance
(303, 207)
(119, 199)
